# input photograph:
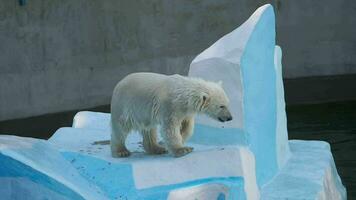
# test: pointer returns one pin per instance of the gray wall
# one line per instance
(58, 55)
(317, 37)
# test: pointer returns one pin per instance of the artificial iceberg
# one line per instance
(247, 158)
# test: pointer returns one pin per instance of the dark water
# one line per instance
(332, 122)
(43, 126)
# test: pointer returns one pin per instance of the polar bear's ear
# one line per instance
(204, 101)
(220, 83)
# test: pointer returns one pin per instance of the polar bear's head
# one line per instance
(215, 103)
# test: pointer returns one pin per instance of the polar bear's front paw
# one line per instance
(158, 150)
(182, 151)
(122, 153)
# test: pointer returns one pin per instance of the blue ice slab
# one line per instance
(310, 173)
(282, 144)
(259, 81)
(19, 181)
(143, 174)
(43, 167)
(203, 134)
(248, 63)
(85, 119)
(208, 135)
(244, 60)
(117, 180)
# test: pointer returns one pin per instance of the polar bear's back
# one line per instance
(143, 78)
(135, 96)
(140, 84)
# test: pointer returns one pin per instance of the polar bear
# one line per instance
(142, 101)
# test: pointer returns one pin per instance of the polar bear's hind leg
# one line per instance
(150, 143)
(117, 143)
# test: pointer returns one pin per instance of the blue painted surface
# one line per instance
(235, 184)
(304, 175)
(221, 196)
(259, 83)
(208, 135)
(38, 163)
(282, 145)
(116, 179)
(15, 169)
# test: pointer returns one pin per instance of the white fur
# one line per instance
(141, 101)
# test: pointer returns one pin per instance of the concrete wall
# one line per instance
(62, 55)
(317, 37)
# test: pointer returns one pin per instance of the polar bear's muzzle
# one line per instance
(225, 118)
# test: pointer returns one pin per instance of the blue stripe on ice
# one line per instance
(259, 83)
(283, 150)
(235, 185)
(50, 187)
(221, 196)
(116, 179)
(39, 164)
(208, 135)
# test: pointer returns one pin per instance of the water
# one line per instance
(334, 123)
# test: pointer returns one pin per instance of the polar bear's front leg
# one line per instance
(150, 142)
(173, 138)
(186, 129)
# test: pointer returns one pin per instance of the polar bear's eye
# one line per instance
(222, 106)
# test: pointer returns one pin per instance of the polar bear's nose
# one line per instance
(225, 119)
